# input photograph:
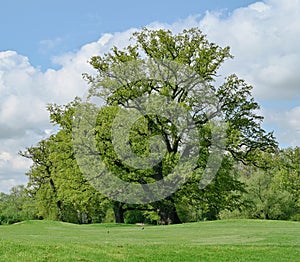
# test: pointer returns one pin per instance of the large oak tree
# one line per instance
(183, 68)
(181, 71)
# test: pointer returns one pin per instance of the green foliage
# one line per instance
(170, 66)
(17, 206)
(271, 193)
(267, 202)
(121, 79)
(134, 216)
(288, 172)
(223, 193)
(55, 181)
(295, 217)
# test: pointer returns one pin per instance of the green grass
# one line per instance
(232, 240)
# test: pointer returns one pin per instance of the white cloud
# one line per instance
(16, 162)
(7, 184)
(293, 117)
(12, 169)
(4, 157)
(287, 125)
(24, 93)
(264, 38)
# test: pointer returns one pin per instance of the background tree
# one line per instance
(55, 181)
(17, 206)
(267, 201)
(288, 172)
(223, 193)
(271, 193)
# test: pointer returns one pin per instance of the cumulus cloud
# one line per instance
(264, 38)
(25, 92)
(286, 124)
(16, 162)
(12, 169)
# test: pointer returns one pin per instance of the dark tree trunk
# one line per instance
(174, 217)
(59, 215)
(212, 214)
(167, 212)
(267, 216)
(166, 207)
(118, 212)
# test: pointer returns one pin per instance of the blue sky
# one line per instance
(41, 29)
(45, 46)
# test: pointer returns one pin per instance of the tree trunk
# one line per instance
(174, 218)
(166, 207)
(167, 212)
(212, 214)
(59, 215)
(118, 212)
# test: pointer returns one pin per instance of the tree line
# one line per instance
(254, 179)
(272, 193)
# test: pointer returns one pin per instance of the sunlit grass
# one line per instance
(235, 240)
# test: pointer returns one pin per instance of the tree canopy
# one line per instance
(158, 124)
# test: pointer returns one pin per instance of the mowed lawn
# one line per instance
(232, 240)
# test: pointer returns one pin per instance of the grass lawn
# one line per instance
(231, 240)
